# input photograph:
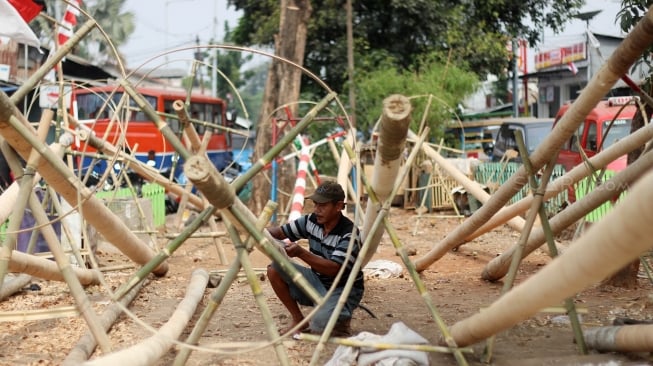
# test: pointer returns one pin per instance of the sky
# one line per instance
(169, 24)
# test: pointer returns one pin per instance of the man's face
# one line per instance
(327, 212)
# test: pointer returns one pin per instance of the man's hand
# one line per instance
(294, 250)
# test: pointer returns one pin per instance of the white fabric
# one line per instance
(13, 26)
(382, 268)
(399, 334)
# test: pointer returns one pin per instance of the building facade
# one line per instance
(562, 72)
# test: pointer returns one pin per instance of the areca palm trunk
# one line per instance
(393, 129)
(617, 65)
(620, 237)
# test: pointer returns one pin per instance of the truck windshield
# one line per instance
(535, 135)
(620, 129)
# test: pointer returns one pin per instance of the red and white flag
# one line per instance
(572, 67)
(13, 26)
(68, 22)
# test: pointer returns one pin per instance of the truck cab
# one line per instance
(608, 122)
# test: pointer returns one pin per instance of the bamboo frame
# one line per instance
(153, 348)
(395, 121)
(601, 251)
(628, 51)
(17, 131)
(496, 268)
(600, 160)
(419, 284)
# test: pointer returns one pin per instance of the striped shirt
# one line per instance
(332, 246)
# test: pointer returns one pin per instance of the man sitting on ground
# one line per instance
(329, 234)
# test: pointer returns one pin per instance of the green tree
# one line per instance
(473, 32)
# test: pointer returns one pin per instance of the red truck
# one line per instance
(593, 134)
(608, 122)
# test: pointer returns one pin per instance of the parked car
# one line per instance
(533, 129)
(593, 134)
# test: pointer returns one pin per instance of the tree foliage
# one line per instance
(435, 87)
(470, 32)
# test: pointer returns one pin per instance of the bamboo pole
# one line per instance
(598, 161)
(50, 62)
(419, 283)
(353, 342)
(76, 289)
(625, 338)
(393, 128)
(14, 284)
(497, 267)
(24, 192)
(48, 270)
(255, 285)
(20, 135)
(344, 168)
(86, 344)
(153, 348)
(538, 190)
(220, 292)
(471, 187)
(603, 250)
(164, 254)
(628, 51)
(220, 194)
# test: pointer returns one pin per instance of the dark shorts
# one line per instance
(321, 317)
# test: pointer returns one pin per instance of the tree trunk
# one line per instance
(282, 87)
(627, 276)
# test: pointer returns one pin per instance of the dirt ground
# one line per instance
(236, 332)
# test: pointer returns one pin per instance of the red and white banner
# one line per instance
(13, 26)
(300, 186)
(572, 67)
(68, 22)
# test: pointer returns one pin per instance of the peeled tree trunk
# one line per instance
(617, 65)
(621, 236)
(395, 121)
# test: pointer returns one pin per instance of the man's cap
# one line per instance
(328, 191)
